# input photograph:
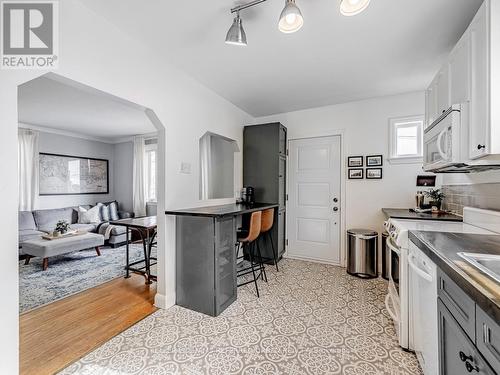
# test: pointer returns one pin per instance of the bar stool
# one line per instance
(265, 229)
(248, 241)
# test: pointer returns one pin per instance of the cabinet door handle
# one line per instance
(481, 147)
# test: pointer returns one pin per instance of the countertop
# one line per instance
(405, 213)
(223, 210)
(443, 248)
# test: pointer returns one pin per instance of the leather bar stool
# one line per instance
(265, 230)
(247, 239)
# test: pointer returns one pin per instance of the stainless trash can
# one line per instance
(362, 247)
(386, 256)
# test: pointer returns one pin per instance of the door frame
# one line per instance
(164, 297)
(340, 133)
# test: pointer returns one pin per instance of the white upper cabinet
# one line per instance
(479, 144)
(431, 106)
(471, 75)
(437, 97)
(460, 72)
(443, 90)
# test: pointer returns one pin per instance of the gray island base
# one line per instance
(206, 256)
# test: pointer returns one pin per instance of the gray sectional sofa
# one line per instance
(33, 224)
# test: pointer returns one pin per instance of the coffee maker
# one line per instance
(248, 195)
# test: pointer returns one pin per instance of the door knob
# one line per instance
(335, 209)
(481, 147)
(335, 200)
(470, 367)
(464, 357)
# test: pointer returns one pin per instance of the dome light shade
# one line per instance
(353, 7)
(236, 35)
(291, 18)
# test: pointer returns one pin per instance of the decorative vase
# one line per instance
(436, 205)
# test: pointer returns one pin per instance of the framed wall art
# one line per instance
(356, 174)
(354, 161)
(373, 173)
(72, 175)
(374, 160)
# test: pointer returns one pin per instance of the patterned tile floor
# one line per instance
(310, 319)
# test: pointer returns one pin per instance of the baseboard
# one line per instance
(314, 260)
(164, 302)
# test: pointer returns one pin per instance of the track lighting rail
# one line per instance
(247, 5)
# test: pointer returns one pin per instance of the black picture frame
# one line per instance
(351, 161)
(379, 162)
(351, 177)
(106, 161)
(374, 169)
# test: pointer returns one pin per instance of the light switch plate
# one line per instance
(185, 168)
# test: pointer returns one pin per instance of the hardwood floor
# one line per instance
(53, 336)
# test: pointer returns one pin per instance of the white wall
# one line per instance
(124, 175)
(97, 54)
(366, 131)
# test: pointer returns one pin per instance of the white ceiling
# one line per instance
(394, 46)
(57, 103)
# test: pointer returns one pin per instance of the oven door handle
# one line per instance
(389, 310)
(424, 275)
(392, 246)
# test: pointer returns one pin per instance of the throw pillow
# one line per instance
(91, 216)
(113, 211)
(105, 214)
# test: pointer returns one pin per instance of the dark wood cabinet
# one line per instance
(264, 168)
(459, 303)
(488, 338)
(457, 353)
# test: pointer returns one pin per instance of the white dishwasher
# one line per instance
(423, 309)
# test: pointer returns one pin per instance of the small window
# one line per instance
(150, 149)
(406, 139)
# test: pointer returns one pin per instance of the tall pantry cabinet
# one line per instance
(264, 169)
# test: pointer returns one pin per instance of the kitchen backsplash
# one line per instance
(479, 195)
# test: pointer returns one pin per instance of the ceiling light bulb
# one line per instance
(353, 7)
(236, 35)
(291, 18)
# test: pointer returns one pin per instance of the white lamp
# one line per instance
(290, 19)
(353, 7)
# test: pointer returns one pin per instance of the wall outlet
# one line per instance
(185, 168)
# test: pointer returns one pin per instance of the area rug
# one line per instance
(71, 273)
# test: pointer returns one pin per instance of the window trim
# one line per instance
(405, 159)
(149, 148)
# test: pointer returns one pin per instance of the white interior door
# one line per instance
(314, 199)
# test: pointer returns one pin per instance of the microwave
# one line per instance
(442, 139)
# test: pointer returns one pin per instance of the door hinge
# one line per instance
(286, 152)
(286, 242)
(286, 197)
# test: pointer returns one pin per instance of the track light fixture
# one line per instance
(236, 35)
(353, 7)
(290, 21)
